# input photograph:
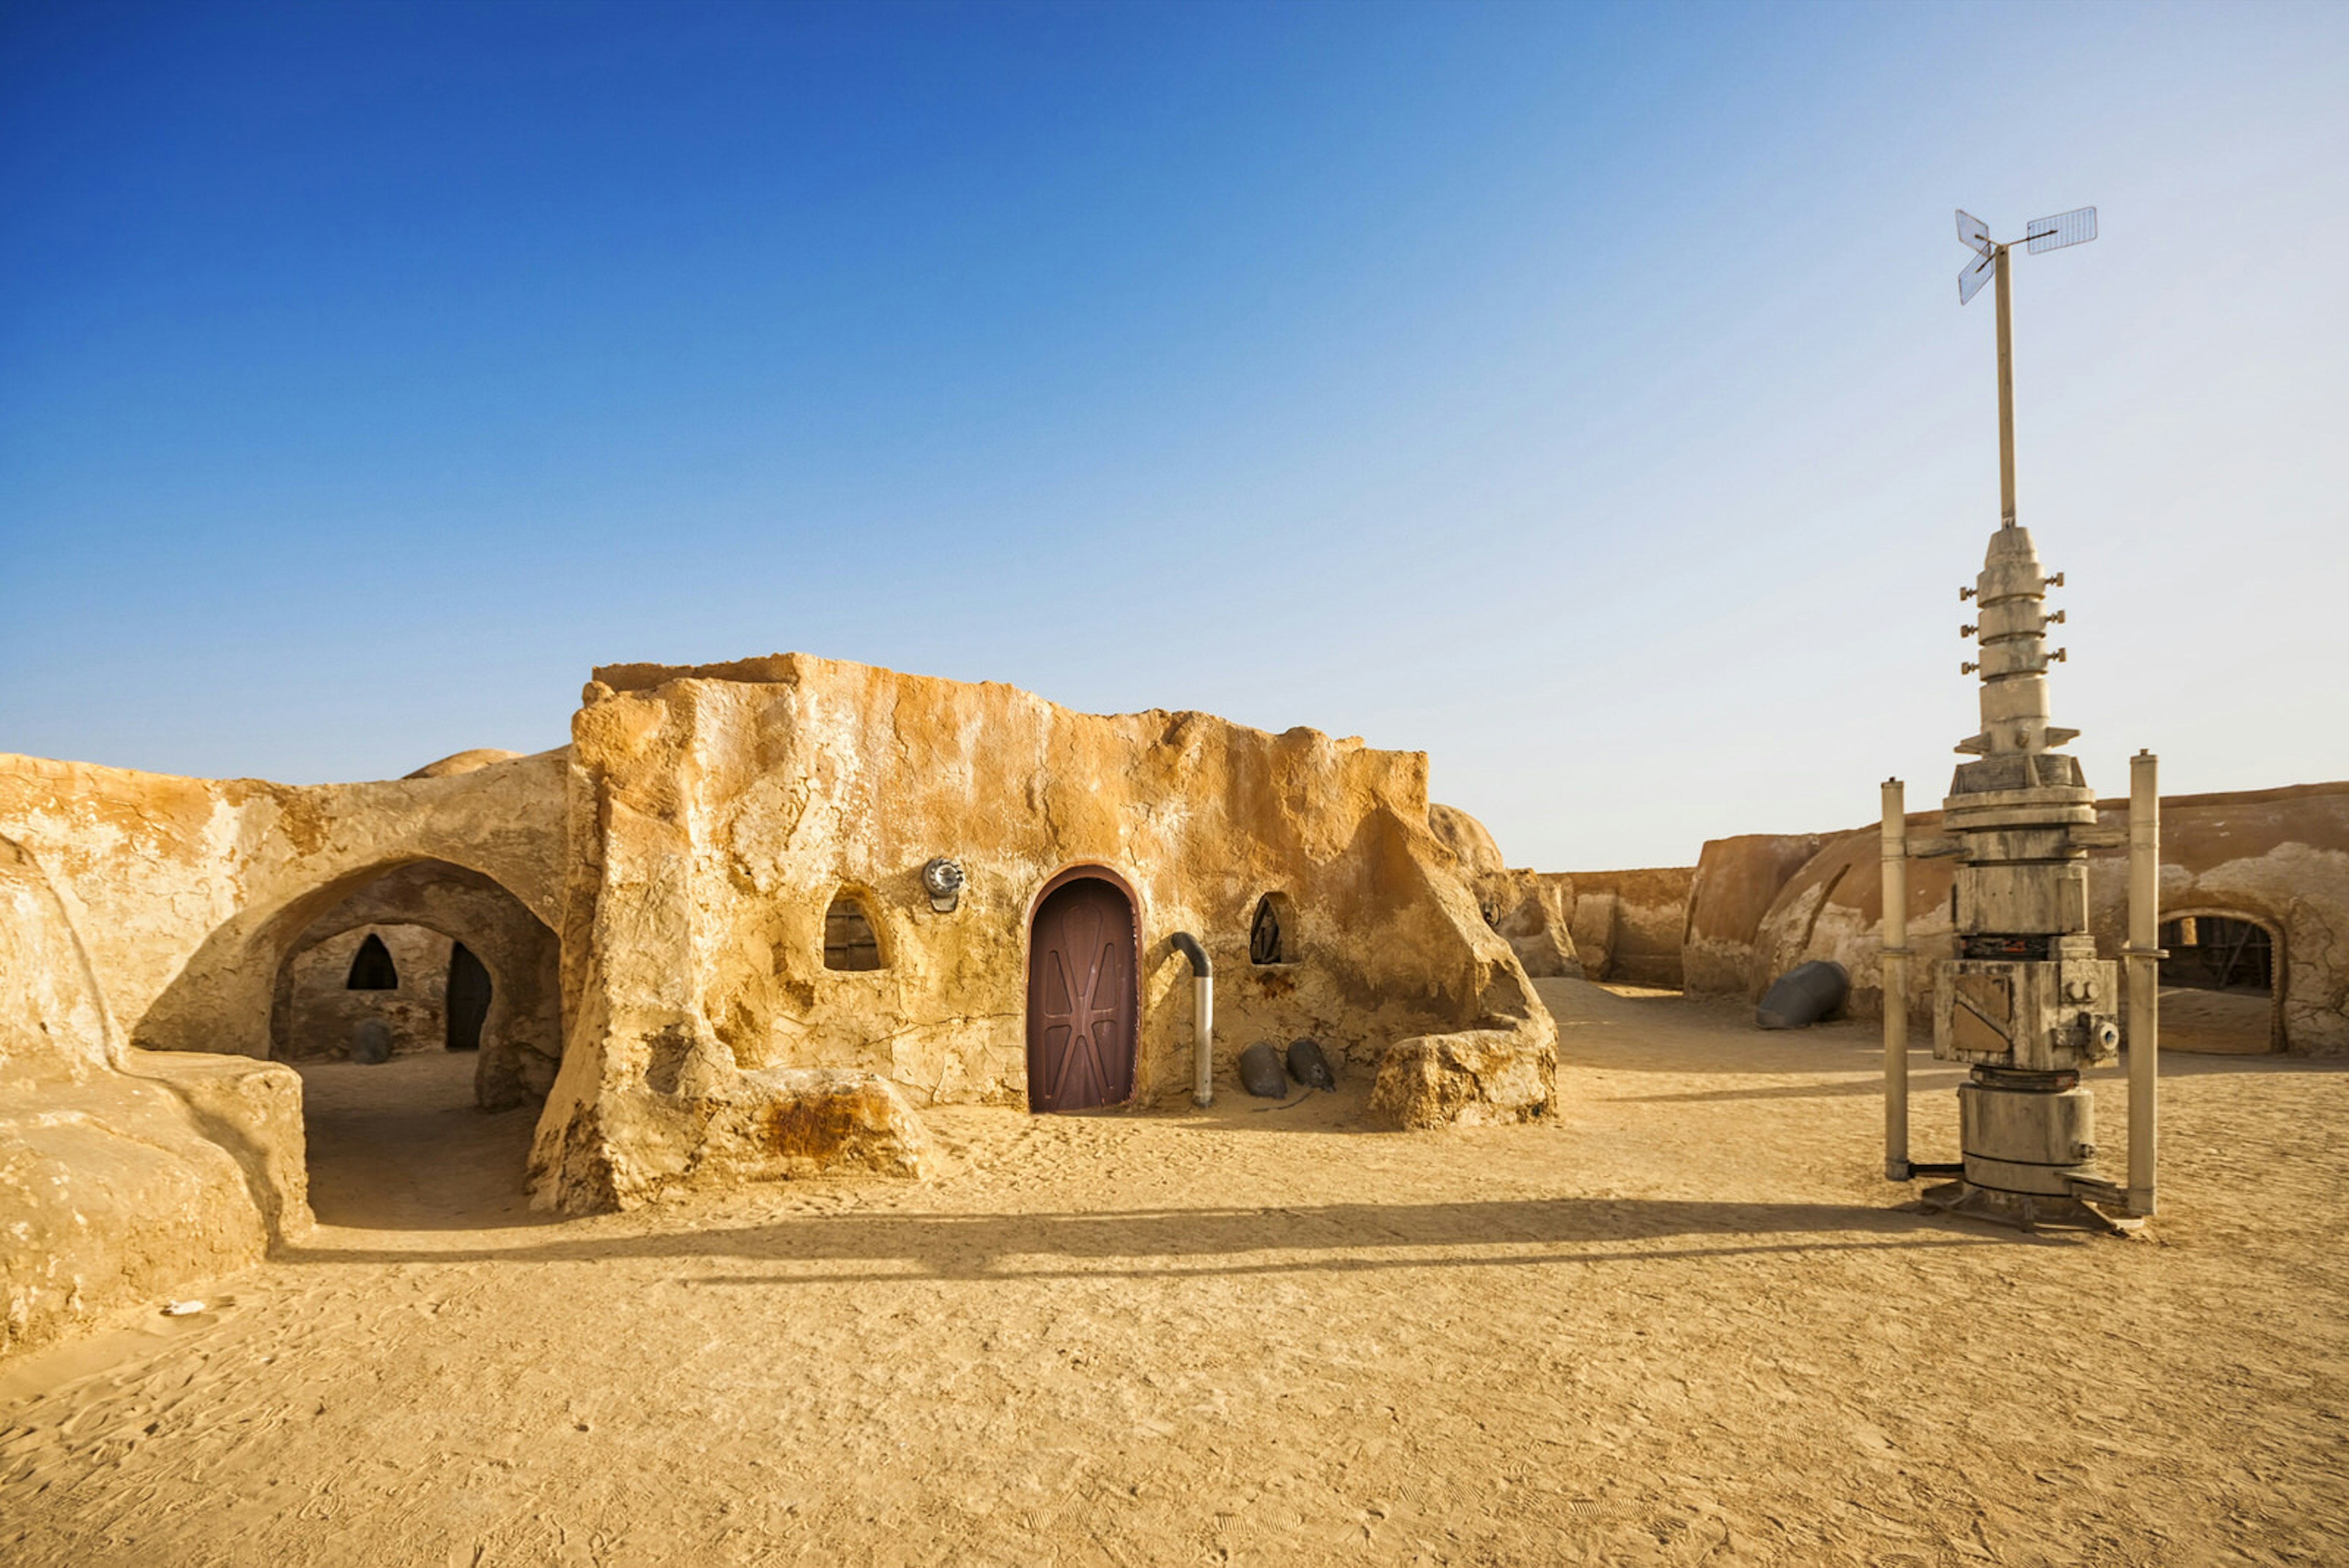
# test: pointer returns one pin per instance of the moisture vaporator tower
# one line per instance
(2023, 1000)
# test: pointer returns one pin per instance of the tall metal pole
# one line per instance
(1894, 955)
(2143, 956)
(2005, 398)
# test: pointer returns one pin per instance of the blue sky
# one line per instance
(1577, 394)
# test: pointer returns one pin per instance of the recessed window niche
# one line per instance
(849, 942)
(371, 967)
(1272, 938)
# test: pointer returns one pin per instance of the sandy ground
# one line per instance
(1686, 1324)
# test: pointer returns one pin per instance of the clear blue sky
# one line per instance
(1577, 394)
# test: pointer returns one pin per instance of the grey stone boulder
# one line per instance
(371, 1042)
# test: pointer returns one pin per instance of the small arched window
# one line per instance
(1269, 938)
(371, 967)
(848, 939)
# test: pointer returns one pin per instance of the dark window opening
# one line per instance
(371, 967)
(1268, 940)
(469, 999)
(848, 939)
(2218, 952)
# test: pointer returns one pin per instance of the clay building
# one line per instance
(750, 922)
(2254, 904)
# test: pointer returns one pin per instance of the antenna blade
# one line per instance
(1975, 274)
(1973, 234)
(2076, 227)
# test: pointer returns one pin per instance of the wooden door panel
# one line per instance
(1082, 1003)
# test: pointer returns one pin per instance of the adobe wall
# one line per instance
(1627, 925)
(122, 1173)
(190, 893)
(2279, 857)
(522, 1037)
(1735, 882)
(730, 803)
(1532, 910)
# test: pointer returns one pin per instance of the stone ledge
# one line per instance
(1477, 1077)
(123, 1188)
(777, 1124)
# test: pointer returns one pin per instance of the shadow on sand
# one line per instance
(833, 1248)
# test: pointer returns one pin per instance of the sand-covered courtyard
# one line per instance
(1683, 1323)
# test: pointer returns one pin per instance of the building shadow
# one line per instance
(1162, 1243)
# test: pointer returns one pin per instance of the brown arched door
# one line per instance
(1081, 1005)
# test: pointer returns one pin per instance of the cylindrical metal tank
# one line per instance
(2027, 1139)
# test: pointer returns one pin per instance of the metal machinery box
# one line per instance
(2043, 1015)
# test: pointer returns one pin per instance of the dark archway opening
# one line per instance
(468, 999)
(2219, 990)
(470, 1023)
(371, 967)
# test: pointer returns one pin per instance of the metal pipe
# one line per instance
(2005, 399)
(1894, 960)
(1203, 1018)
(2143, 956)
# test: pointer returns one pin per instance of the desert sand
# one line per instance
(1687, 1322)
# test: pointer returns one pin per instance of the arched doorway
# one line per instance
(470, 992)
(1082, 1002)
(2219, 983)
(412, 999)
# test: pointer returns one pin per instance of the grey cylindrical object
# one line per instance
(1261, 1073)
(371, 1042)
(1803, 995)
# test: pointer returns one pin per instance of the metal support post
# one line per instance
(2143, 956)
(1893, 956)
(2006, 398)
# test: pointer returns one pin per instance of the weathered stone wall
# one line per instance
(522, 1038)
(1736, 881)
(122, 1174)
(1627, 925)
(1531, 909)
(318, 1013)
(149, 919)
(2278, 858)
(730, 804)
(190, 893)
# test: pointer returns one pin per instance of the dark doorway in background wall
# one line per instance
(371, 967)
(848, 939)
(469, 998)
(2219, 985)
(1082, 1003)
(2216, 952)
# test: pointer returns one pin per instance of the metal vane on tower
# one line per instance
(2076, 227)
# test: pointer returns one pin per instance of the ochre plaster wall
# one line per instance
(189, 893)
(1531, 909)
(730, 804)
(2279, 857)
(318, 1013)
(1627, 925)
(122, 1173)
(1736, 881)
